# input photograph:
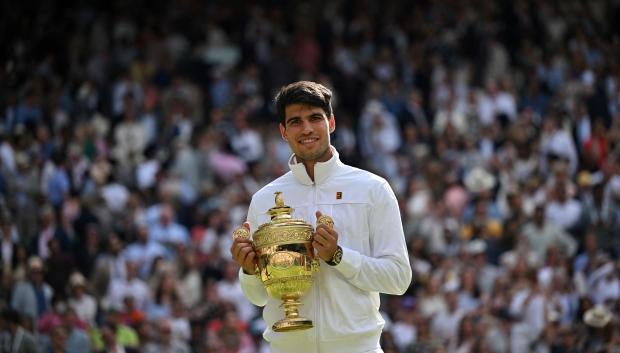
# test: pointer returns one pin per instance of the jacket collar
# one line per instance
(322, 170)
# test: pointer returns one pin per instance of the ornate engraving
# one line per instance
(327, 220)
(241, 232)
(292, 279)
(282, 236)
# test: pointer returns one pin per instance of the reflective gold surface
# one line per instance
(327, 220)
(241, 232)
(286, 262)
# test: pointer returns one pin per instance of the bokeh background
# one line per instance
(133, 134)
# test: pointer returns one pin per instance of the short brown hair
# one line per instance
(303, 92)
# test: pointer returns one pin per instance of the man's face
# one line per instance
(307, 129)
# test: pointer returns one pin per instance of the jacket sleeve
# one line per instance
(387, 269)
(250, 284)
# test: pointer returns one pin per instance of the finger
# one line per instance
(244, 241)
(321, 239)
(318, 241)
(318, 214)
(318, 246)
(235, 244)
(329, 229)
(327, 234)
(243, 254)
(235, 251)
(240, 249)
(249, 260)
(247, 225)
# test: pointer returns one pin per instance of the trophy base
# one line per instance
(294, 324)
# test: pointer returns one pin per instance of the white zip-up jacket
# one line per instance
(343, 302)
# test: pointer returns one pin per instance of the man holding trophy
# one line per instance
(320, 285)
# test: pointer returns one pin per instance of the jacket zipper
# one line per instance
(317, 310)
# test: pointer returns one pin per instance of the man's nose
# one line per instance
(306, 127)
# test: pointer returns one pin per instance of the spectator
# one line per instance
(110, 343)
(564, 211)
(229, 334)
(78, 340)
(59, 340)
(541, 234)
(21, 341)
(140, 112)
(166, 343)
(144, 251)
(110, 265)
(82, 303)
(121, 334)
(166, 231)
(131, 286)
(32, 297)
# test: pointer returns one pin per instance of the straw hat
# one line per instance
(598, 316)
(584, 178)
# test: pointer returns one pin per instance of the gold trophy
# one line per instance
(286, 261)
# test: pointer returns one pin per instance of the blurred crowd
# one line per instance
(133, 134)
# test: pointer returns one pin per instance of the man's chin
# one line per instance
(307, 157)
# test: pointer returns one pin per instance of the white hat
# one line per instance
(77, 280)
(478, 180)
(598, 316)
(476, 246)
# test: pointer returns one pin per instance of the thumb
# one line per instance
(246, 225)
(318, 214)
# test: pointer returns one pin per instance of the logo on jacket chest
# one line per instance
(339, 195)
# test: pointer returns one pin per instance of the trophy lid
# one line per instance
(280, 211)
(282, 227)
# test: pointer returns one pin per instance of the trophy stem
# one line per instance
(293, 321)
(291, 307)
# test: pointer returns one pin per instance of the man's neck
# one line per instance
(309, 165)
(310, 168)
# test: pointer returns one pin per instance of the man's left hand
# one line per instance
(325, 240)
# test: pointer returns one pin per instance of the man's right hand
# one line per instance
(243, 253)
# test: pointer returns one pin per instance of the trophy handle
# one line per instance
(328, 221)
(315, 265)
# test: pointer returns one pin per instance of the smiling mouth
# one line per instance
(306, 141)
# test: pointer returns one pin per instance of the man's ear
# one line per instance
(283, 132)
(332, 123)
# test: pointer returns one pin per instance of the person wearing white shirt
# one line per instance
(246, 142)
(83, 304)
(144, 251)
(557, 143)
(445, 323)
(364, 254)
(542, 233)
(229, 288)
(528, 308)
(167, 231)
(563, 211)
(132, 286)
